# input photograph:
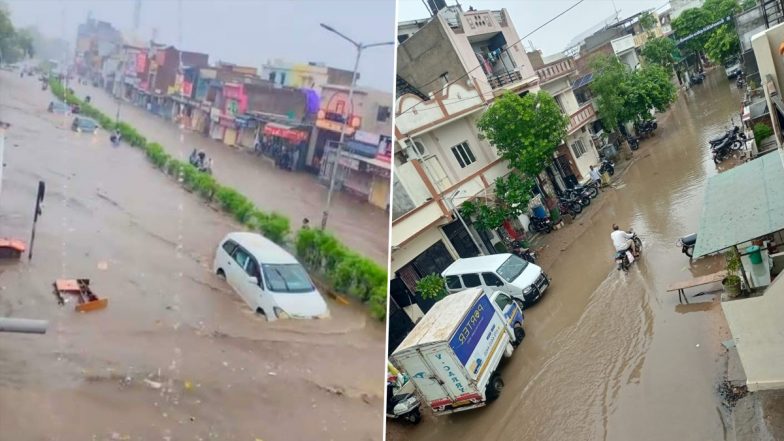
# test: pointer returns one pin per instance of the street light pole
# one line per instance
(336, 163)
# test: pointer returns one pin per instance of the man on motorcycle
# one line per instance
(623, 240)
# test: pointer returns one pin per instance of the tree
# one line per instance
(647, 21)
(689, 22)
(511, 196)
(526, 130)
(719, 9)
(660, 51)
(626, 95)
(723, 44)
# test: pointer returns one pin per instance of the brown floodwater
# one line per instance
(176, 355)
(612, 356)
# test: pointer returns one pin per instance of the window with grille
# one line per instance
(463, 154)
(578, 148)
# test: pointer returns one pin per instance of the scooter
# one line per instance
(403, 406)
(541, 224)
(624, 259)
(687, 244)
(607, 167)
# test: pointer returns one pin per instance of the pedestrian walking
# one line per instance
(596, 178)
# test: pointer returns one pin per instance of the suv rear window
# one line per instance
(453, 282)
(471, 280)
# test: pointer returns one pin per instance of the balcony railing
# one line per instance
(555, 70)
(501, 80)
(579, 118)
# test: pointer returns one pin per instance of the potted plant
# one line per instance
(431, 287)
(732, 283)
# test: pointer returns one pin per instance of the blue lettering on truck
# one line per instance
(470, 331)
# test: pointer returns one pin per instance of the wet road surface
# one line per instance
(361, 226)
(612, 356)
(215, 369)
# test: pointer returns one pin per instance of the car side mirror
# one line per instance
(253, 280)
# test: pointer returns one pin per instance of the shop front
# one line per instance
(248, 127)
(285, 144)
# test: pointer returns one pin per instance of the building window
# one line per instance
(340, 107)
(463, 154)
(283, 78)
(578, 148)
(272, 76)
(383, 114)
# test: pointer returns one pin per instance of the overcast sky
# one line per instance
(530, 14)
(241, 31)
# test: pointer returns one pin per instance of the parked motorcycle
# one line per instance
(607, 167)
(634, 143)
(578, 196)
(697, 78)
(569, 206)
(624, 259)
(720, 152)
(590, 190)
(646, 128)
(735, 135)
(541, 224)
(403, 406)
(687, 244)
(740, 83)
(523, 253)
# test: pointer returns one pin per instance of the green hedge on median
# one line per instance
(345, 270)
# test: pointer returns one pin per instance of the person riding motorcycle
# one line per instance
(622, 241)
(115, 137)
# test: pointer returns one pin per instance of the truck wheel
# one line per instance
(519, 335)
(414, 417)
(494, 387)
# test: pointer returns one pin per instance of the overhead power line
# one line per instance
(505, 50)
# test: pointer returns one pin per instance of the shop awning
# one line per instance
(284, 131)
(742, 204)
(755, 325)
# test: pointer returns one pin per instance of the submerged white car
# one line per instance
(270, 280)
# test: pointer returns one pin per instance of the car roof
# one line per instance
(476, 264)
(265, 250)
(85, 118)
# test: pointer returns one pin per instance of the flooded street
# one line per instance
(611, 356)
(361, 226)
(176, 355)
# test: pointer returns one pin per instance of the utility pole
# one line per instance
(359, 47)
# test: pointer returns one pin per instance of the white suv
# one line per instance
(732, 68)
(268, 278)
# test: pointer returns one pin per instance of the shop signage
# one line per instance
(333, 126)
(367, 137)
(708, 28)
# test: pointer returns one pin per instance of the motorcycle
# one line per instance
(735, 135)
(579, 196)
(540, 224)
(624, 259)
(634, 143)
(523, 253)
(590, 190)
(687, 244)
(115, 139)
(646, 128)
(720, 152)
(403, 406)
(607, 167)
(569, 206)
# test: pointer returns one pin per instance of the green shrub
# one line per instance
(234, 203)
(761, 131)
(205, 184)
